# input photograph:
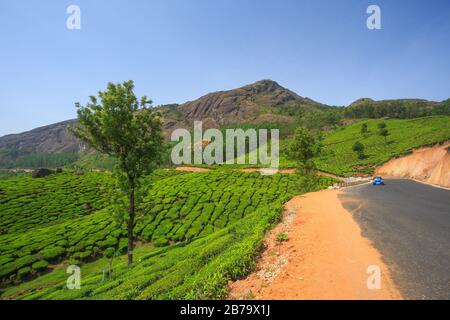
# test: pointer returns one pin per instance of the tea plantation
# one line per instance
(27, 203)
(49, 219)
(209, 226)
(404, 135)
(337, 156)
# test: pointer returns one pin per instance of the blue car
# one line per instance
(378, 181)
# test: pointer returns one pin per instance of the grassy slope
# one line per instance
(339, 158)
(219, 219)
(404, 136)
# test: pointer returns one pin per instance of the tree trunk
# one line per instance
(131, 213)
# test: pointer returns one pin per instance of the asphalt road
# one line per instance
(409, 223)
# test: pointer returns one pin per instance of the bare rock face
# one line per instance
(41, 173)
(245, 104)
(427, 164)
(54, 138)
(239, 105)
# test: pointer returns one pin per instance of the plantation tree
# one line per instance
(128, 129)
(303, 147)
(358, 147)
(384, 133)
(364, 129)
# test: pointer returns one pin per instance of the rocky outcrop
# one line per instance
(214, 109)
(429, 164)
(238, 105)
(54, 138)
(41, 173)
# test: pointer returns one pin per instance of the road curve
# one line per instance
(409, 223)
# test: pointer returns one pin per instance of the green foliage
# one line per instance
(282, 236)
(404, 135)
(52, 253)
(27, 203)
(23, 272)
(364, 128)
(398, 109)
(119, 125)
(40, 265)
(94, 160)
(358, 147)
(195, 269)
(303, 147)
(109, 252)
(24, 159)
(384, 133)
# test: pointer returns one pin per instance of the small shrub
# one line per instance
(23, 272)
(40, 265)
(52, 253)
(282, 236)
(109, 252)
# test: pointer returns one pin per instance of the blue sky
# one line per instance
(178, 50)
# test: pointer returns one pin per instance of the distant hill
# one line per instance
(264, 103)
(53, 138)
(252, 103)
(396, 108)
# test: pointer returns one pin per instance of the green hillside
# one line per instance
(404, 135)
(209, 225)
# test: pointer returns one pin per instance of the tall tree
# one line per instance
(303, 147)
(118, 124)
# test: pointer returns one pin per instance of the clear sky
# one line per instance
(178, 50)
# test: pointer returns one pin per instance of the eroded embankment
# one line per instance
(428, 164)
(325, 256)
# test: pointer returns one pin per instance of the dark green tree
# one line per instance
(127, 129)
(381, 125)
(358, 147)
(364, 128)
(384, 133)
(303, 147)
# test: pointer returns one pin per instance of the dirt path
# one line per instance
(192, 169)
(284, 171)
(325, 256)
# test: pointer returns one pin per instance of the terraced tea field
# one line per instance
(209, 225)
(404, 135)
(27, 203)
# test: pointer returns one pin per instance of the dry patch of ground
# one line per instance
(192, 169)
(262, 170)
(430, 165)
(325, 256)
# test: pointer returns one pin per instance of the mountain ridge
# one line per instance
(262, 101)
(214, 109)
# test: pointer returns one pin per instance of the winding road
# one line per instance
(409, 223)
